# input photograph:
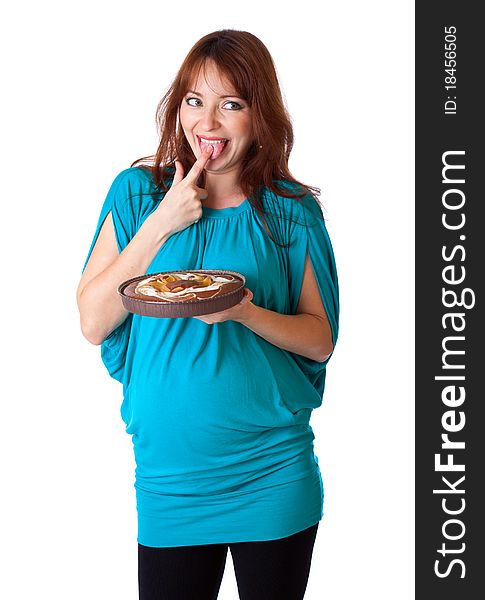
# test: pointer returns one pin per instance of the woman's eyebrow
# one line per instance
(201, 95)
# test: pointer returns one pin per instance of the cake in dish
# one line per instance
(181, 287)
(201, 291)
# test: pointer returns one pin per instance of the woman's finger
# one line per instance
(179, 172)
(199, 165)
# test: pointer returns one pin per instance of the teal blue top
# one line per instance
(219, 416)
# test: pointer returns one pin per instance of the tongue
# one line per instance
(217, 148)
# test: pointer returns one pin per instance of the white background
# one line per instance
(82, 84)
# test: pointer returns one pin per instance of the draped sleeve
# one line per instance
(122, 202)
(309, 235)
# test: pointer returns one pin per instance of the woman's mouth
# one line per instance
(218, 144)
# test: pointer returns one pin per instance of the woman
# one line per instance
(219, 405)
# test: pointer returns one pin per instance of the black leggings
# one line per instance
(269, 570)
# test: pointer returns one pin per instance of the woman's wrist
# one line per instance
(158, 232)
(246, 313)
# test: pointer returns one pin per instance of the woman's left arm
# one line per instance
(307, 332)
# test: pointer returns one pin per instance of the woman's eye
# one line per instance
(188, 100)
(236, 104)
(230, 105)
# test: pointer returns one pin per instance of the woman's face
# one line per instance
(211, 111)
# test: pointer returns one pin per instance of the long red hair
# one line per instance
(244, 61)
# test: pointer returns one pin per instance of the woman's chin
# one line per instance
(216, 164)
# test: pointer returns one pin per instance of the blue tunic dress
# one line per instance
(219, 416)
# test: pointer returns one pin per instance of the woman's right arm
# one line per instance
(100, 306)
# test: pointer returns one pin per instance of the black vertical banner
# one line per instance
(450, 268)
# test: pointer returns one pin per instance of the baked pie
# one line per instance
(182, 293)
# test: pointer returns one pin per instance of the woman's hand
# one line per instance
(235, 313)
(182, 204)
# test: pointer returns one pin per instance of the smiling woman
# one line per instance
(227, 88)
(214, 118)
(219, 405)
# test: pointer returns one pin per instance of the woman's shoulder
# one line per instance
(135, 176)
(134, 186)
(300, 208)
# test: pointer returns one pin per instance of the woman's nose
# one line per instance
(209, 119)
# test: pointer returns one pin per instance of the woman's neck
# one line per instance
(223, 190)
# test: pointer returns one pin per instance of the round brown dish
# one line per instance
(183, 293)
